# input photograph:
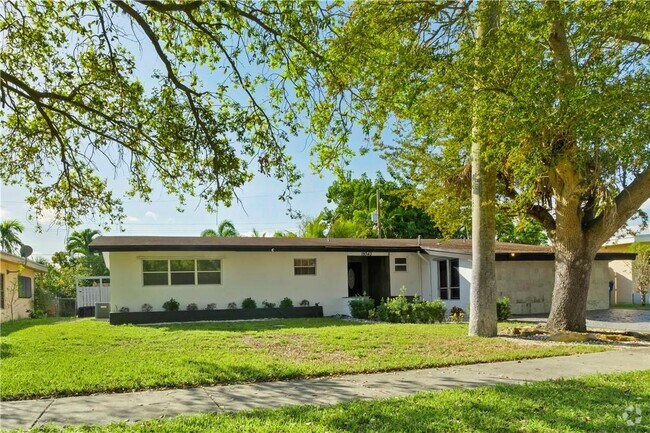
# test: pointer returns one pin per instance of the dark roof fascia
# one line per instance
(529, 257)
(259, 248)
(523, 257)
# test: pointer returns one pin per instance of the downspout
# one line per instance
(422, 277)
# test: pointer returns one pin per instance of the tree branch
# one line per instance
(627, 202)
(171, 7)
(629, 38)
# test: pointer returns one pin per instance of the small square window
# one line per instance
(304, 266)
(400, 264)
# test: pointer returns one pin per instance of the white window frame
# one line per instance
(448, 287)
(298, 266)
(169, 272)
(402, 266)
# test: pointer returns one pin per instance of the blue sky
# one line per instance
(259, 207)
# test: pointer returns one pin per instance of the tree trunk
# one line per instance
(483, 293)
(572, 275)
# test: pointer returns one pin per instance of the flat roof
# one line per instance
(30, 264)
(503, 250)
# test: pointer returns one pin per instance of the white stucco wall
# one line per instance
(529, 285)
(416, 278)
(620, 271)
(259, 275)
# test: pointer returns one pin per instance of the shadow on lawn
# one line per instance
(256, 325)
(8, 328)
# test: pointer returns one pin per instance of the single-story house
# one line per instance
(624, 291)
(205, 270)
(17, 282)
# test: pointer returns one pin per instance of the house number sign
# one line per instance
(366, 253)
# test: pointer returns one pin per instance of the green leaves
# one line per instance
(409, 68)
(79, 98)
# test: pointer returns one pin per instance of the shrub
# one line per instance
(248, 303)
(399, 310)
(146, 308)
(361, 306)
(286, 302)
(124, 310)
(503, 309)
(232, 306)
(428, 311)
(36, 314)
(304, 303)
(456, 314)
(192, 307)
(171, 305)
(212, 306)
(396, 310)
(268, 304)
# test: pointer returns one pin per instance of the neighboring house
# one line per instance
(205, 270)
(17, 288)
(621, 270)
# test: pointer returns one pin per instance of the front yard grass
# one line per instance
(47, 358)
(587, 404)
(631, 306)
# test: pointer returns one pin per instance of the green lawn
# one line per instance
(52, 358)
(588, 404)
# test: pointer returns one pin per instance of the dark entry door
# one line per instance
(379, 275)
(354, 279)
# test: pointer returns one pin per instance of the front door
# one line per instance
(354, 279)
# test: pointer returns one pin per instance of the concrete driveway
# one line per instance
(617, 319)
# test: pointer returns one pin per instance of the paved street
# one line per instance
(615, 319)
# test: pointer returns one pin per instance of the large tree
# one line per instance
(567, 125)
(191, 93)
(355, 199)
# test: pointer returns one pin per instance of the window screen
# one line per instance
(400, 264)
(304, 266)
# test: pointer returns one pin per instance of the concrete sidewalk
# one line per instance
(107, 408)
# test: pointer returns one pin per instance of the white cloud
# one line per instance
(131, 219)
(5, 214)
(152, 215)
(47, 216)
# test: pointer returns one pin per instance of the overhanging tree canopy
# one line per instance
(192, 94)
(568, 86)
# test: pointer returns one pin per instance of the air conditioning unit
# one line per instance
(102, 310)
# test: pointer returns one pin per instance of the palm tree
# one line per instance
(257, 234)
(313, 227)
(78, 242)
(9, 231)
(209, 233)
(226, 229)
